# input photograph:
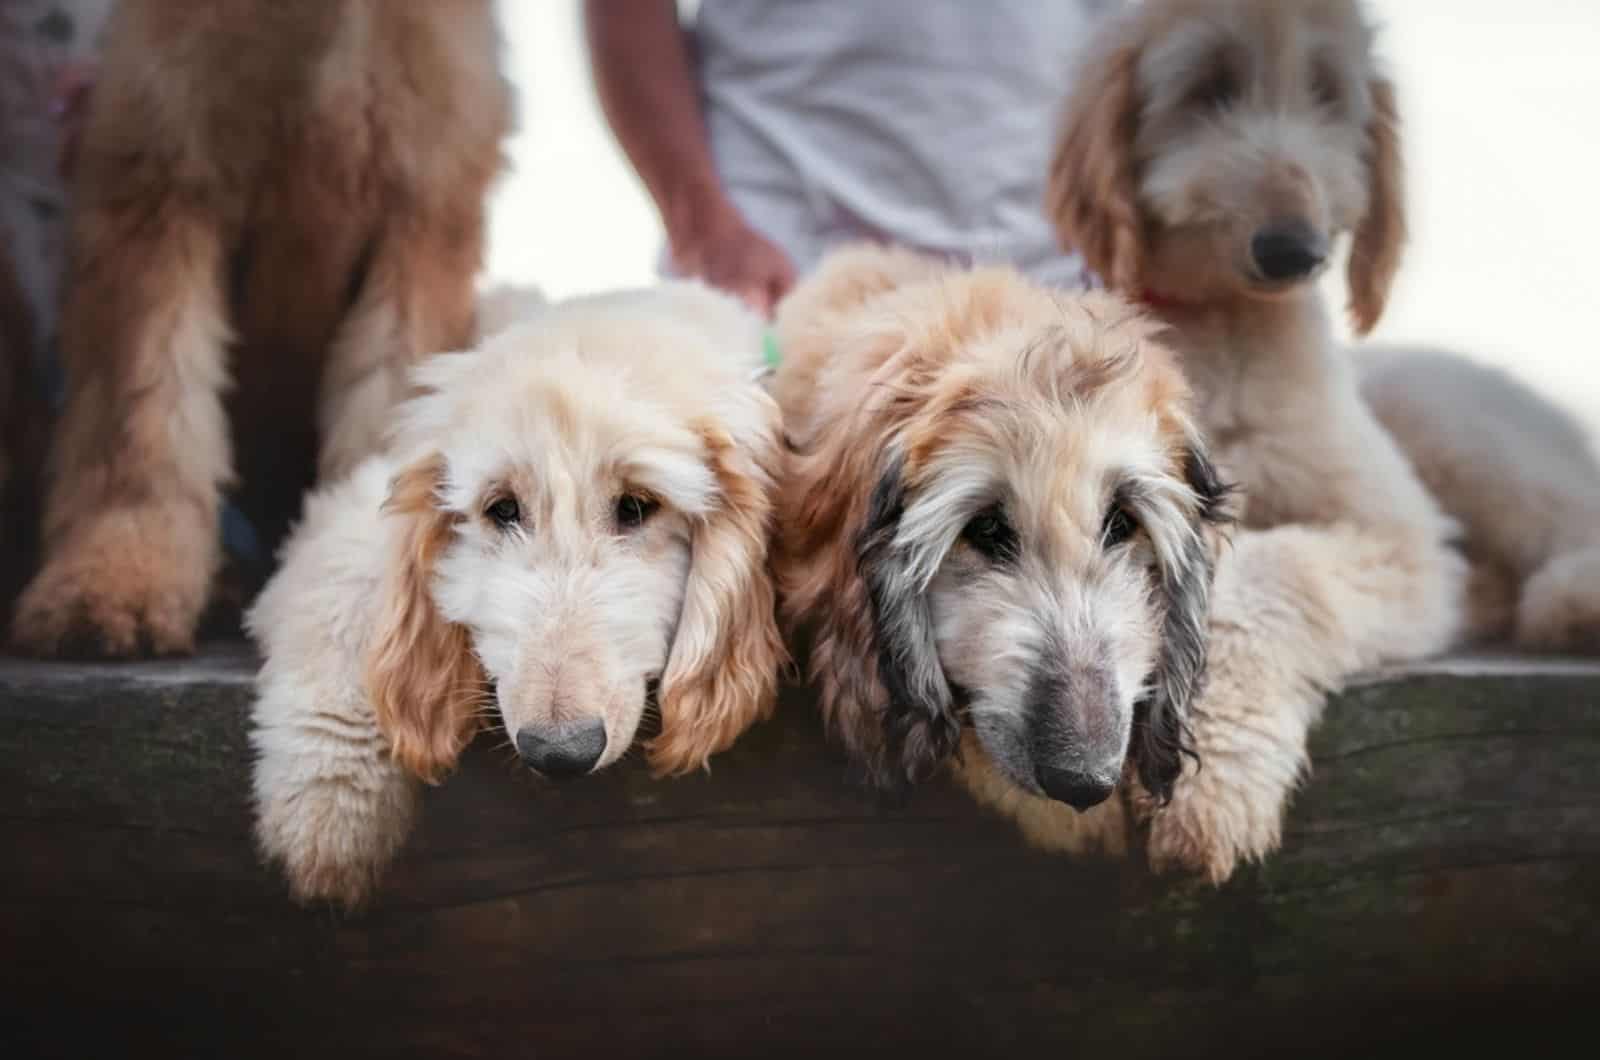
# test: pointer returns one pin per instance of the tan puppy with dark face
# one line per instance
(296, 188)
(995, 519)
(1212, 153)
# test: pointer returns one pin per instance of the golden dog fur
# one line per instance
(296, 188)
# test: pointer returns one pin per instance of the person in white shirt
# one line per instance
(769, 131)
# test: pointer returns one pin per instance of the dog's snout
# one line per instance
(561, 751)
(1078, 736)
(1079, 790)
(1288, 251)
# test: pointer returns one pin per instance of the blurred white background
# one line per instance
(1502, 109)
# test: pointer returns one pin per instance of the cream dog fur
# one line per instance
(569, 514)
(1210, 155)
(1521, 477)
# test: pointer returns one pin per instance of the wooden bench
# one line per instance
(1439, 886)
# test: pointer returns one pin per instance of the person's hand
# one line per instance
(727, 253)
(69, 106)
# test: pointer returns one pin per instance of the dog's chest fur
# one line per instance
(1266, 378)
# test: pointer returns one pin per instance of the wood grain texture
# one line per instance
(1440, 885)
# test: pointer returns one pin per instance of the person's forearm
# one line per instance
(643, 73)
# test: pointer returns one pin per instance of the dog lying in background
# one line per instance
(296, 187)
(1211, 155)
(996, 529)
(1521, 477)
(573, 513)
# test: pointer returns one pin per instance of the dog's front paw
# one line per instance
(320, 872)
(119, 587)
(1212, 825)
(335, 833)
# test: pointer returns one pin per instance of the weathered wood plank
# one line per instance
(1440, 883)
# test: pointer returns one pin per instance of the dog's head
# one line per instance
(1008, 528)
(583, 522)
(1217, 148)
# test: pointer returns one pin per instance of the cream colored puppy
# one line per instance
(571, 515)
(1211, 155)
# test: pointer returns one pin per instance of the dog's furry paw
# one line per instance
(1560, 606)
(321, 874)
(331, 847)
(1211, 828)
(116, 588)
(331, 811)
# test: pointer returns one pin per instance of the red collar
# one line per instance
(1158, 301)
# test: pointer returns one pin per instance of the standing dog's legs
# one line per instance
(142, 448)
(417, 299)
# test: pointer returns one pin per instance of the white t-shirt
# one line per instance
(924, 122)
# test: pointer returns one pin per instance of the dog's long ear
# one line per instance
(1380, 238)
(1162, 736)
(920, 727)
(422, 676)
(1091, 194)
(722, 674)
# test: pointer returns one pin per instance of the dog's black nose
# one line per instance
(1288, 251)
(561, 751)
(1078, 790)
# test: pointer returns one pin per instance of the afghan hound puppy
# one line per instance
(996, 533)
(296, 187)
(573, 518)
(1211, 153)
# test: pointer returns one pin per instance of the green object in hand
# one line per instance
(769, 346)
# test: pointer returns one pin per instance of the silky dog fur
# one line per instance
(997, 531)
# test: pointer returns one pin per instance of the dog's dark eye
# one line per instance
(1218, 91)
(990, 534)
(504, 512)
(1118, 526)
(633, 510)
(1325, 86)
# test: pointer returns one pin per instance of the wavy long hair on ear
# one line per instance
(873, 656)
(1380, 238)
(920, 727)
(1162, 736)
(422, 676)
(722, 672)
(1091, 192)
